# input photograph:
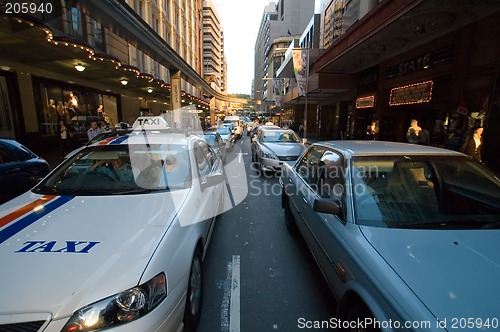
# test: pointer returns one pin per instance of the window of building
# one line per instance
(99, 37)
(76, 106)
(76, 22)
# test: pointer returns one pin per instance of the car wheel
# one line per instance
(290, 223)
(358, 312)
(192, 312)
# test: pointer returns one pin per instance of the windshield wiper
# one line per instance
(133, 191)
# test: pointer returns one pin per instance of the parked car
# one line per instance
(274, 146)
(116, 234)
(20, 169)
(231, 127)
(402, 233)
(237, 125)
(214, 139)
(226, 135)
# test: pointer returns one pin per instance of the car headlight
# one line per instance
(120, 308)
(266, 154)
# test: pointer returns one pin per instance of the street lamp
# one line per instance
(80, 67)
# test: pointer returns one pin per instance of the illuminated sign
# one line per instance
(365, 102)
(411, 94)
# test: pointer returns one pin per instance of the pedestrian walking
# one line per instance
(65, 138)
(472, 145)
(416, 135)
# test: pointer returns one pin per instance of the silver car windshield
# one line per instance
(275, 136)
(121, 169)
(424, 192)
(223, 131)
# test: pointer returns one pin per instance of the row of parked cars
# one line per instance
(405, 235)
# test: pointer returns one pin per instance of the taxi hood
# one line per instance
(454, 273)
(61, 253)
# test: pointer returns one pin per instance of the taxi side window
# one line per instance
(203, 159)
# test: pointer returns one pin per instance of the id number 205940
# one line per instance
(471, 323)
(27, 8)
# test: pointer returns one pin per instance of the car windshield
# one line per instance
(223, 131)
(121, 169)
(273, 136)
(424, 192)
(210, 139)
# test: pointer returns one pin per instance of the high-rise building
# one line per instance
(279, 19)
(214, 64)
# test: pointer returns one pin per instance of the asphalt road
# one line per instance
(257, 276)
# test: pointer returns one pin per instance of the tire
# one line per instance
(290, 223)
(359, 312)
(192, 312)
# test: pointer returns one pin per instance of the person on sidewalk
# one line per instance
(94, 130)
(65, 138)
(473, 144)
(372, 131)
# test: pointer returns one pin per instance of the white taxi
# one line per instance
(114, 238)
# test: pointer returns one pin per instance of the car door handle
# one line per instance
(305, 200)
(14, 170)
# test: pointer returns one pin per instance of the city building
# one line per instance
(392, 61)
(109, 61)
(281, 19)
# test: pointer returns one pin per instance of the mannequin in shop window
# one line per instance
(372, 131)
(72, 105)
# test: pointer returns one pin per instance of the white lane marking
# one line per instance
(226, 298)
(234, 310)
(240, 155)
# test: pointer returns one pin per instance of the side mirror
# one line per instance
(213, 180)
(327, 205)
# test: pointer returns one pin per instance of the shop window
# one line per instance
(77, 107)
(6, 111)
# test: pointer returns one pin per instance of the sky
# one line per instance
(240, 21)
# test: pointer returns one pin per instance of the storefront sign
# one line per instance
(365, 102)
(411, 94)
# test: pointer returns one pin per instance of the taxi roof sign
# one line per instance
(150, 123)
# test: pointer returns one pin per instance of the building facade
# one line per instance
(428, 60)
(109, 61)
(280, 19)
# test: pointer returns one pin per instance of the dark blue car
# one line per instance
(20, 169)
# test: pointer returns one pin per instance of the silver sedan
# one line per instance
(272, 147)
